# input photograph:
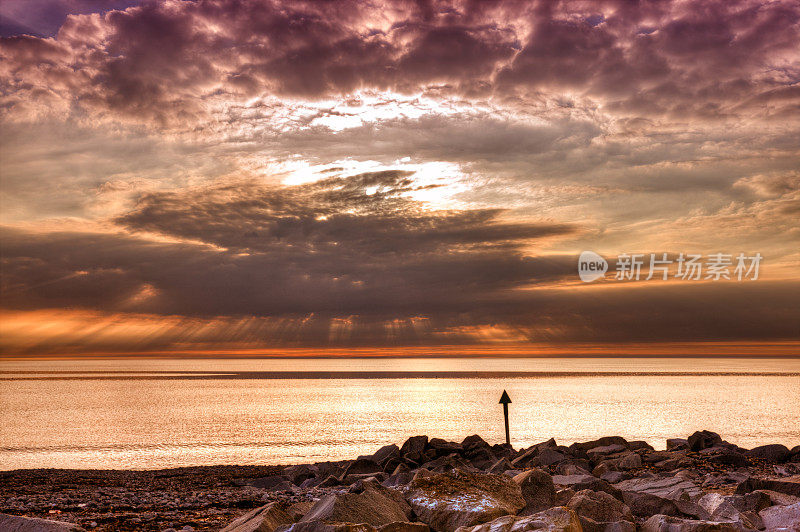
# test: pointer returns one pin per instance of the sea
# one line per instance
(164, 413)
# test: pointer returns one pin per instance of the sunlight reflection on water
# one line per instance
(125, 423)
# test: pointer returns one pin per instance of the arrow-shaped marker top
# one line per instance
(505, 399)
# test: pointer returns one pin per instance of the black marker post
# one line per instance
(504, 400)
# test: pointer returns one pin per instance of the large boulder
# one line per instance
(15, 523)
(297, 474)
(553, 520)
(414, 445)
(538, 490)
(585, 482)
(781, 517)
(362, 466)
(659, 495)
(734, 508)
(375, 505)
(771, 453)
(264, 519)
(444, 448)
(703, 440)
(787, 485)
(448, 501)
(385, 453)
(599, 506)
(665, 523)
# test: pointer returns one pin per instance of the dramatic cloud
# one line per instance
(257, 173)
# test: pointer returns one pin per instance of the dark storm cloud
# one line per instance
(363, 214)
(207, 296)
(330, 247)
(164, 59)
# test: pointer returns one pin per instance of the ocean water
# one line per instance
(151, 414)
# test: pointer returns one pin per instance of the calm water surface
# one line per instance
(168, 413)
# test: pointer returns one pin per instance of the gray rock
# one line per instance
(385, 453)
(362, 466)
(665, 523)
(703, 440)
(444, 448)
(585, 482)
(782, 517)
(603, 450)
(537, 490)
(772, 453)
(501, 466)
(547, 457)
(554, 520)
(448, 501)
(787, 485)
(14, 523)
(415, 444)
(563, 496)
(264, 519)
(297, 474)
(660, 495)
(599, 506)
(677, 444)
(375, 505)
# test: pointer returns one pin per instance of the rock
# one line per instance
(772, 453)
(599, 506)
(671, 487)
(787, 485)
(474, 442)
(547, 457)
(729, 457)
(444, 448)
(781, 517)
(776, 497)
(385, 453)
(639, 445)
(734, 508)
(448, 501)
(703, 440)
(14, 523)
(537, 490)
(297, 474)
(555, 520)
(576, 466)
(677, 444)
(581, 449)
(415, 444)
(363, 466)
(648, 496)
(585, 482)
(563, 496)
(664, 523)
(297, 510)
(264, 519)
(375, 505)
(597, 452)
(501, 466)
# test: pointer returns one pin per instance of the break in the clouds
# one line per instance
(232, 173)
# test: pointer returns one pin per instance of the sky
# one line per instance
(232, 176)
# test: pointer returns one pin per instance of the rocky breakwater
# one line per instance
(700, 483)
